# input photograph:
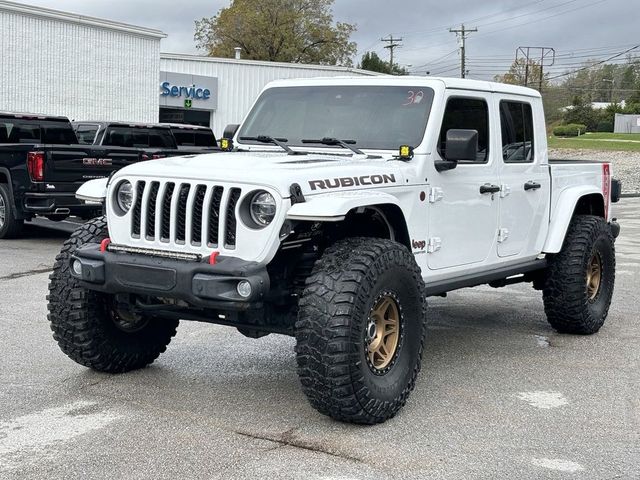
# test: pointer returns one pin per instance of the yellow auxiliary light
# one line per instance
(226, 144)
(406, 152)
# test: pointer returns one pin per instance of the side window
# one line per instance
(467, 114)
(161, 139)
(205, 139)
(516, 121)
(86, 134)
(58, 134)
(5, 131)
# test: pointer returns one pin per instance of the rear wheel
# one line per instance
(580, 279)
(10, 226)
(98, 330)
(361, 329)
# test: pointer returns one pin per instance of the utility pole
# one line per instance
(462, 34)
(547, 59)
(392, 44)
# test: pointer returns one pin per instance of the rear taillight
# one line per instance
(157, 156)
(35, 165)
(606, 188)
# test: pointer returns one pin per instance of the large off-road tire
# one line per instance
(10, 226)
(350, 370)
(580, 279)
(89, 327)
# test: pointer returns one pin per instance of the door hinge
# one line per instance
(505, 190)
(434, 244)
(503, 235)
(435, 194)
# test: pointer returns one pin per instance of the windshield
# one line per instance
(376, 117)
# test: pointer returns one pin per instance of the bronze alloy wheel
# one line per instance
(383, 332)
(594, 276)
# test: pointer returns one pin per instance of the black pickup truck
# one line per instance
(158, 140)
(42, 165)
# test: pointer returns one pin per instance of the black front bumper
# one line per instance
(195, 282)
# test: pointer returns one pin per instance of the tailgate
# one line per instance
(79, 163)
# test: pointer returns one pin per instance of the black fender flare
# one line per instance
(7, 173)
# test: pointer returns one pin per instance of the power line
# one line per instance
(595, 64)
(440, 29)
(543, 18)
(535, 20)
(435, 62)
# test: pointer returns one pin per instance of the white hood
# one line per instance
(313, 172)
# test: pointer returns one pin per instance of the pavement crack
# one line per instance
(289, 439)
(28, 273)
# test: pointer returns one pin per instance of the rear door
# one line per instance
(524, 179)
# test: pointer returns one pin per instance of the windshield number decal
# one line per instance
(414, 98)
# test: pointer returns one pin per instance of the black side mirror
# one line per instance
(230, 130)
(461, 145)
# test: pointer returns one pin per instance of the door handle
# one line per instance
(488, 188)
(531, 186)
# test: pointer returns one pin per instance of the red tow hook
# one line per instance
(104, 244)
(213, 258)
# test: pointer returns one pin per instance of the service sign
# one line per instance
(179, 90)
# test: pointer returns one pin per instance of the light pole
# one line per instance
(611, 82)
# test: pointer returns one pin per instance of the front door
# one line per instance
(525, 182)
(463, 219)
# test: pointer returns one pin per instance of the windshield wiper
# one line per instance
(348, 144)
(280, 142)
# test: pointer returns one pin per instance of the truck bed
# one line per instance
(569, 161)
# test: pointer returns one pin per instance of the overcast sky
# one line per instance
(577, 29)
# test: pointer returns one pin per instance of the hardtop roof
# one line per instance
(390, 80)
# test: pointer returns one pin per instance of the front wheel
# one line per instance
(580, 279)
(98, 330)
(361, 329)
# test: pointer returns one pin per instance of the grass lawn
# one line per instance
(627, 142)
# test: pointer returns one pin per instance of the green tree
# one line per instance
(300, 31)
(372, 62)
(581, 112)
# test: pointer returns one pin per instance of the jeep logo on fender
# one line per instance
(345, 182)
(418, 244)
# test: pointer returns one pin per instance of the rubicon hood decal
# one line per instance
(345, 182)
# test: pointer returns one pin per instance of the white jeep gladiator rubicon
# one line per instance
(340, 206)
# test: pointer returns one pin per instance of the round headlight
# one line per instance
(263, 208)
(124, 196)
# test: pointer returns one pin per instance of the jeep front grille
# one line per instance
(179, 213)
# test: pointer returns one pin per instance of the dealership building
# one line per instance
(85, 68)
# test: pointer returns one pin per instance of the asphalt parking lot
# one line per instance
(500, 395)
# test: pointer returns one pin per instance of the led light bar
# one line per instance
(194, 257)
